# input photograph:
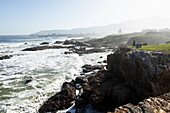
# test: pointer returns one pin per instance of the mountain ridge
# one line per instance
(126, 26)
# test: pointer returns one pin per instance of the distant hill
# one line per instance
(126, 27)
(151, 38)
(113, 40)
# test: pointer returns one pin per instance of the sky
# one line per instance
(30, 16)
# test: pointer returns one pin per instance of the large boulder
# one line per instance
(131, 76)
(62, 100)
(141, 69)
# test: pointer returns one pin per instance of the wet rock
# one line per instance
(89, 68)
(45, 47)
(5, 57)
(58, 42)
(61, 100)
(67, 42)
(43, 43)
(131, 77)
(84, 51)
(27, 81)
(104, 61)
(81, 44)
(67, 52)
(99, 62)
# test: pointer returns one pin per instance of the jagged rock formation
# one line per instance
(73, 49)
(160, 104)
(131, 77)
(61, 100)
(130, 73)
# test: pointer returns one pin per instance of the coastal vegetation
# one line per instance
(151, 38)
(160, 47)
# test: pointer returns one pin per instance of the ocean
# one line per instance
(46, 70)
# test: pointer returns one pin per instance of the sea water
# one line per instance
(46, 70)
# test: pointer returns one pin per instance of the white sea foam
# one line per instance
(46, 70)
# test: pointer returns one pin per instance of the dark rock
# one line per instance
(27, 81)
(45, 47)
(89, 68)
(76, 43)
(139, 68)
(101, 57)
(80, 102)
(58, 42)
(61, 100)
(67, 42)
(80, 80)
(43, 43)
(104, 61)
(5, 57)
(81, 44)
(131, 77)
(81, 51)
(67, 52)
(25, 43)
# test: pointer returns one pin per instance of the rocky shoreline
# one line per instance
(5, 57)
(73, 46)
(132, 81)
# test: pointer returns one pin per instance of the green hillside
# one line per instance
(151, 38)
(113, 40)
(160, 47)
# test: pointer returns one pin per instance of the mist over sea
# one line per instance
(46, 69)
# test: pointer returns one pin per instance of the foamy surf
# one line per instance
(29, 78)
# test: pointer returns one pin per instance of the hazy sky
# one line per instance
(29, 16)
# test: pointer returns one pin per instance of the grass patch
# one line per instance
(160, 47)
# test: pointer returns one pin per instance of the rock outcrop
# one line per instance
(81, 50)
(5, 57)
(44, 43)
(89, 68)
(46, 47)
(131, 76)
(76, 43)
(62, 100)
(160, 104)
(58, 42)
